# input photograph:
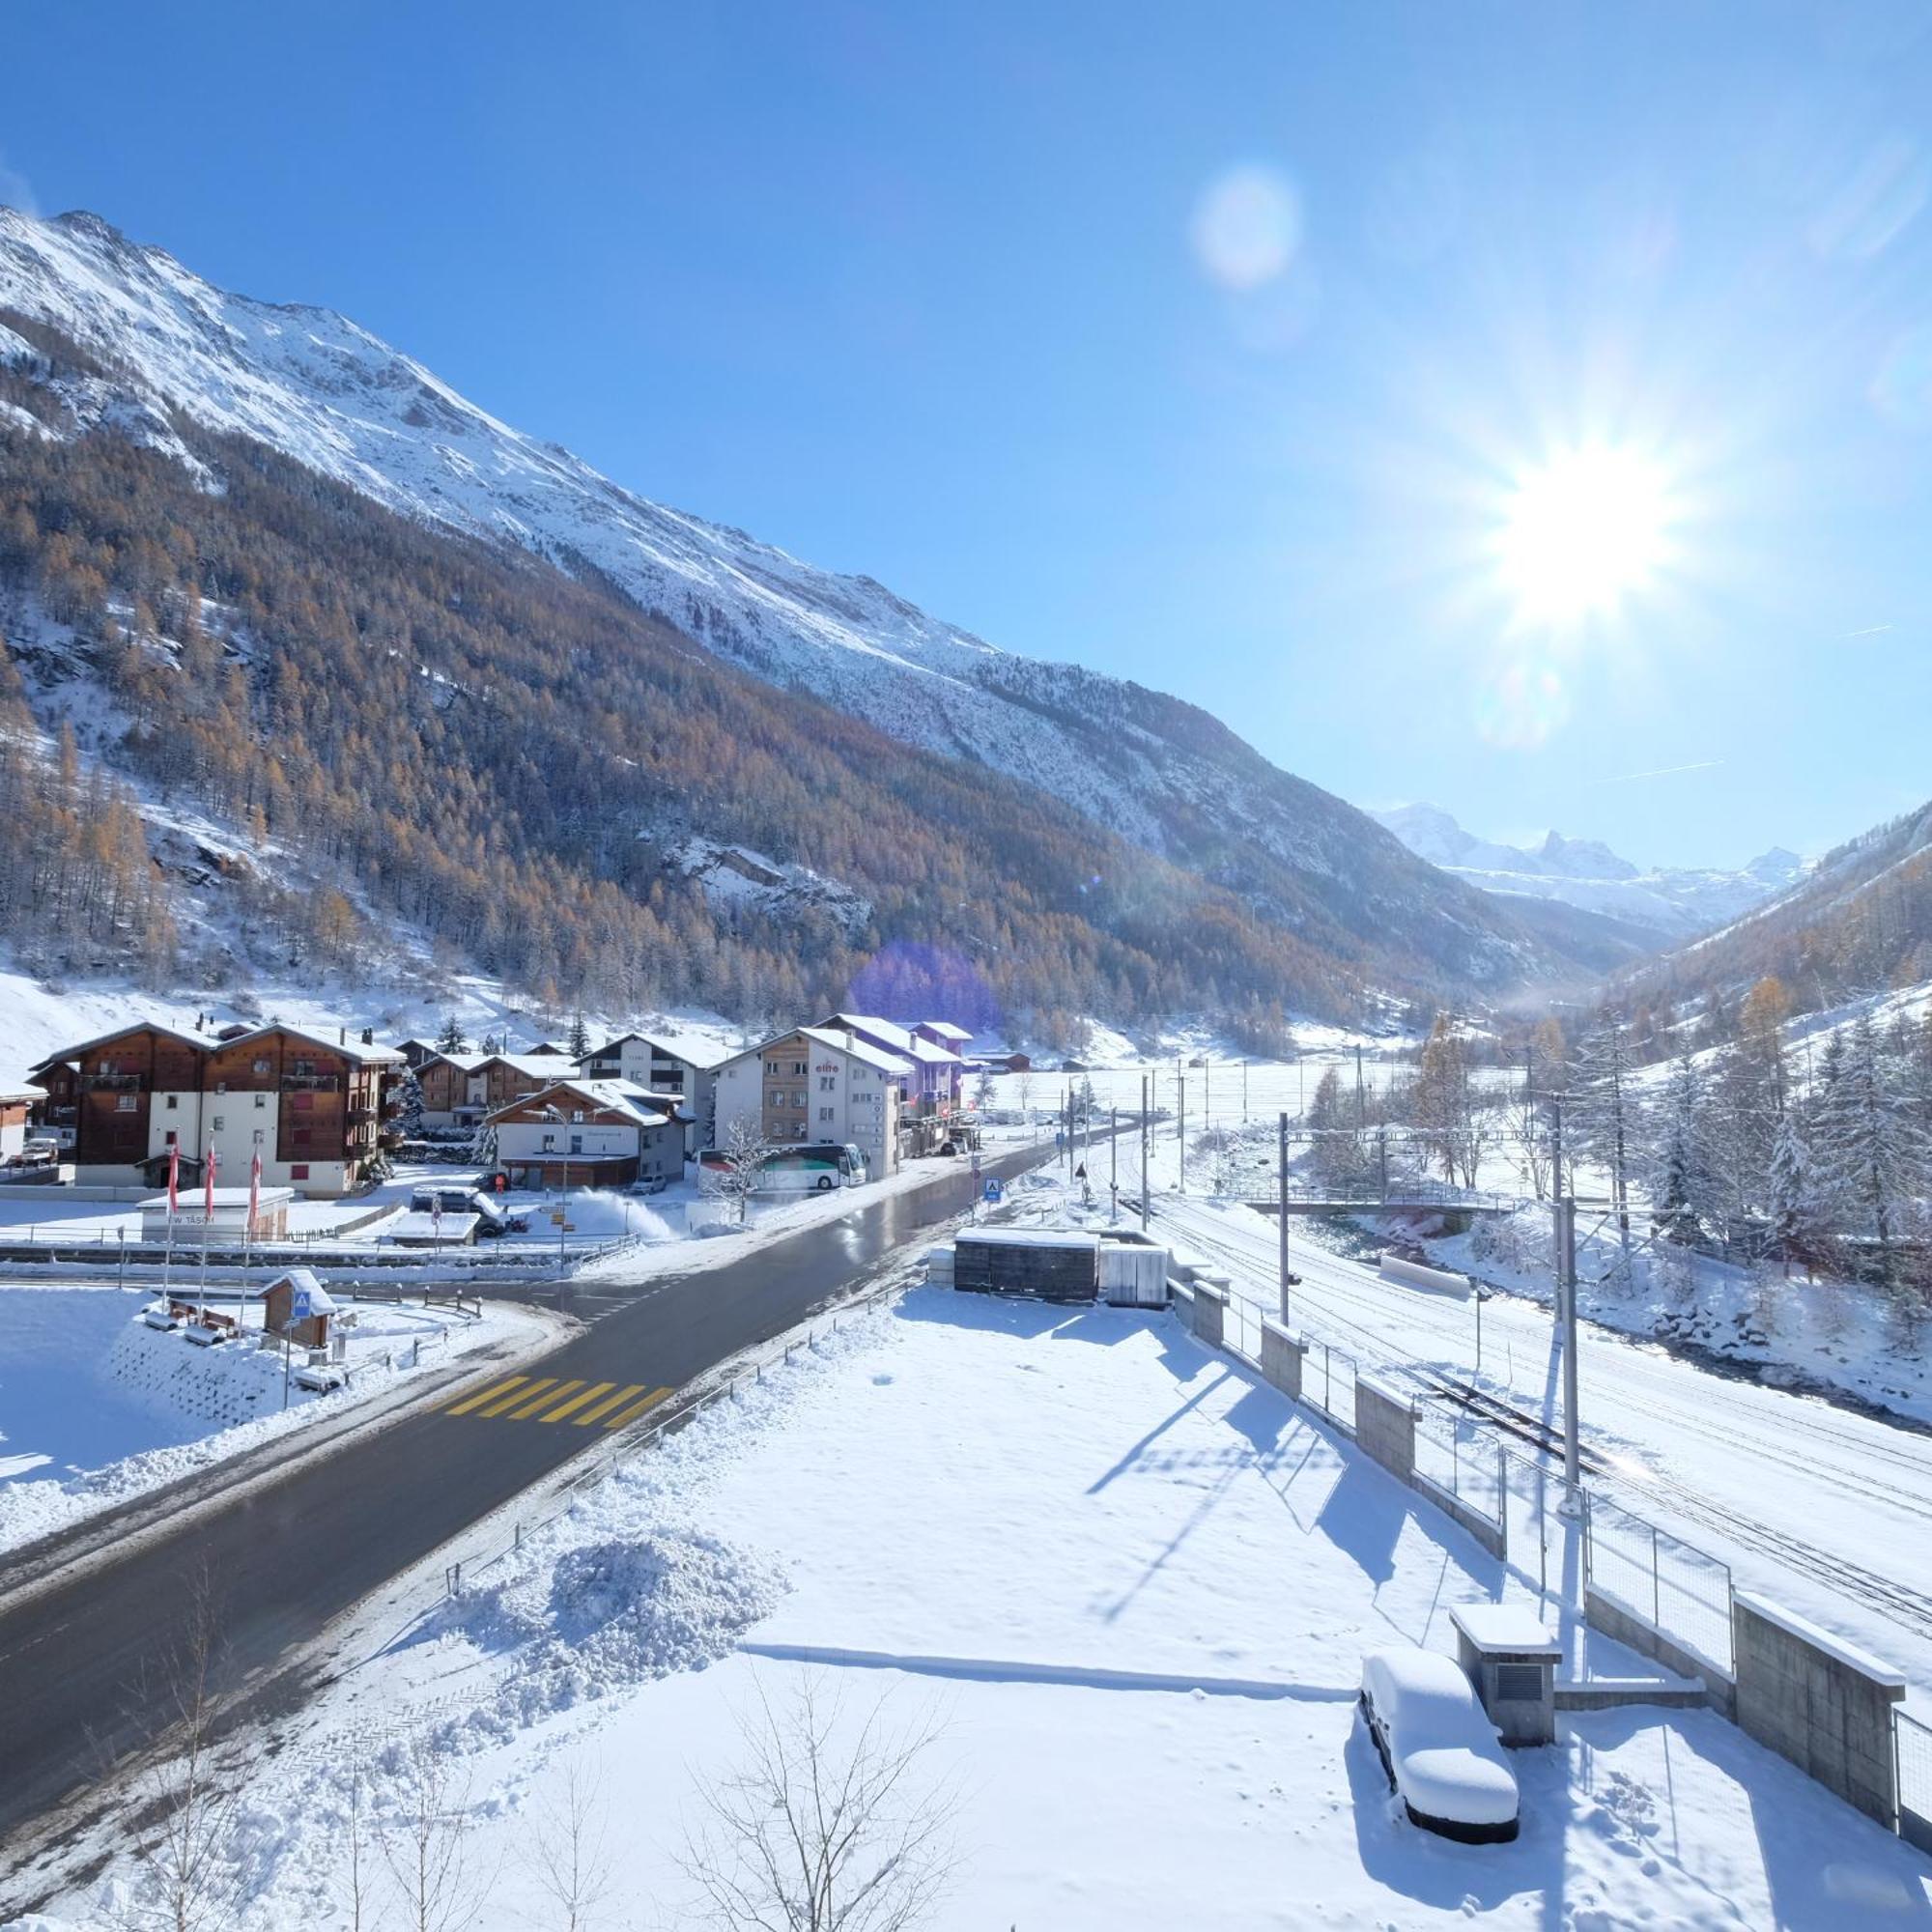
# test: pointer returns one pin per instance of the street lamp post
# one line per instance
(564, 1210)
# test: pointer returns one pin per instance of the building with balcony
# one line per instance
(589, 1133)
(312, 1108)
(815, 1084)
(663, 1063)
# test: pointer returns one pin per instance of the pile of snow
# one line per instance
(603, 1618)
(599, 1212)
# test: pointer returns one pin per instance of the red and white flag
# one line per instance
(207, 1190)
(254, 1189)
(174, 1180)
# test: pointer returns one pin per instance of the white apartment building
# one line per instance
(812, 1084)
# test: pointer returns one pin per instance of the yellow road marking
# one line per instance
(494, 1389)
(498, 1408)
(543, 1401)
(563, 1408)
(637, 1408)
(610, 1402)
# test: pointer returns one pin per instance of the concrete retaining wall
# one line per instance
(1618, 1620)
(1488, 1534)
(1282, 1353)
(1211, 1308)
(1818, 1701)
(1385, 1428)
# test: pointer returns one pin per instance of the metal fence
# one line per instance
(1537, 1536)
(1241, 1325)
(1673, 1585)
(1328, 1383)
(1461, 1454)
(1912, 1751)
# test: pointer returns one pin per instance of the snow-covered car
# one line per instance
(493, 1217)
(1439, 1750)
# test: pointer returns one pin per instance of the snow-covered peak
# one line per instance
(1675, 903)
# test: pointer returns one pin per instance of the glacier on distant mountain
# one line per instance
(1676, 902)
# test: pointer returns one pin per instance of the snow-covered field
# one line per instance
(1127, 1587)
(96, 1408)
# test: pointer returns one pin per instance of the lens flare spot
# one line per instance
(1248, 227)
(1522, 705)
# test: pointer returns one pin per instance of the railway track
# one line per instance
(1658, 1489)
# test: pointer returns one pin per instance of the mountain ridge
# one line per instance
(1151, 769)
(1674, 904)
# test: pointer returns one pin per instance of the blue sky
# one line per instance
(1211, 347)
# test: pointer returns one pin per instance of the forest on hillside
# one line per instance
(428, 733)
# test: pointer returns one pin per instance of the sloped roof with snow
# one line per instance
(624, 1098)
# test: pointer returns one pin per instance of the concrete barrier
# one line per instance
(1210, 1309)
(1630, 1626)
(1412, 1274)
(1819, 1701)
(1385, 1426)
(1282, 1353)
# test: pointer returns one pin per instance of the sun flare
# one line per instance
(1581, 532)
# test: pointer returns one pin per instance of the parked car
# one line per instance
(39, 1152)
(493, 1217)
(1438, 1748)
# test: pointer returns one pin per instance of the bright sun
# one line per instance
(1581, 532)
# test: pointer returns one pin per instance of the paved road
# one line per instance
(285, 1560)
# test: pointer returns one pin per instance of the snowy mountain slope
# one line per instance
(1858, 927)
(1670, 903)
(335, 398)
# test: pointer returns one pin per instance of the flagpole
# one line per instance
(210, 1162)
(174, 1204)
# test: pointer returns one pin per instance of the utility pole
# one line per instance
(1244, 1092)
(1207, 1095)
(1114, 1166)
(1566, 1308)
(1361, 1096)
(1281, 1182)
(1383, 1159)
(1146, 1135)
(1180, 1124)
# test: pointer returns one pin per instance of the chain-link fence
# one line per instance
(1535, 1534)
(1673, 1585)
(1912, 1747)
(1461, 1455)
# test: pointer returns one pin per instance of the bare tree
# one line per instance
(740, 1164)
(189, 1880)
(356, 1872)
(1024, 1089)
(426, 1850)
(812, 1835)
(567, 1854)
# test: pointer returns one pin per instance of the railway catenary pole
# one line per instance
(1281, 1182)
(1147, 1132)
(1114, 1164)
(1566, 1308)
